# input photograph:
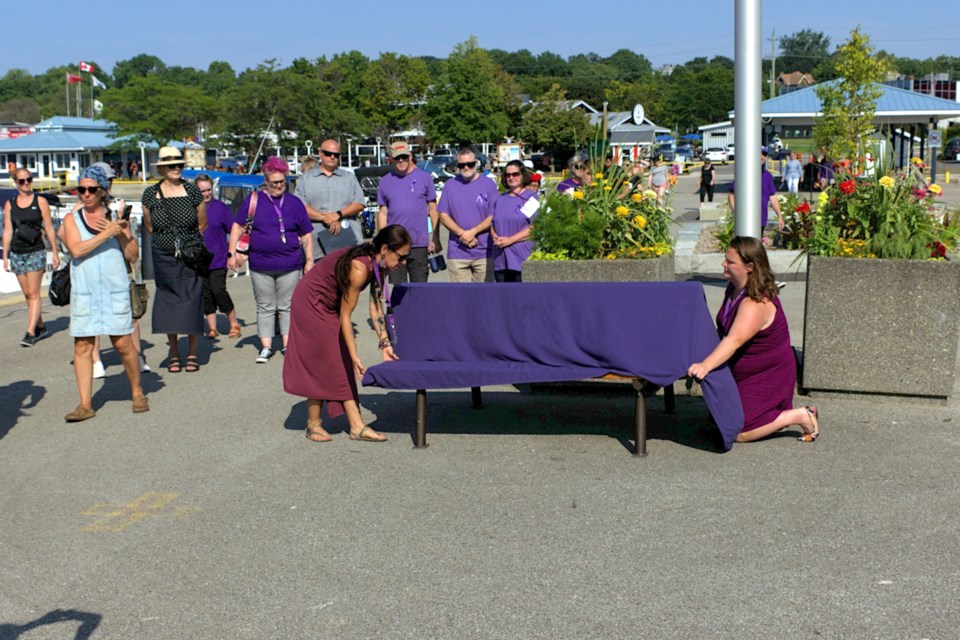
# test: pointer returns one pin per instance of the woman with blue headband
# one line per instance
(100, 289)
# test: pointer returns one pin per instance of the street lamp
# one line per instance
(378, 151)
(143, 161)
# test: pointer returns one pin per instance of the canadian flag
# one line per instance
(72, 79)
(86, 67)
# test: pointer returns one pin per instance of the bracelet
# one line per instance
(384, 343)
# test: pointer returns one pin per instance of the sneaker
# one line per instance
(98, 371)
(283, 351)
(144, 367)
(41, 331)
(265, 354)
(28, 340)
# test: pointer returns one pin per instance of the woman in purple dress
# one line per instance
(322, 359)
(755, 343)
(512, 213)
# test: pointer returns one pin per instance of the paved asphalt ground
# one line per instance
(212, 516)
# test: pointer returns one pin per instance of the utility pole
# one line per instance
(773, 61)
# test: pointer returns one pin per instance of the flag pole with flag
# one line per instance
(71, 79)
(89, 68)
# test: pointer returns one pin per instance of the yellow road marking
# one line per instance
(114, 517)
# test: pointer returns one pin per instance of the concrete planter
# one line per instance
(881, 326)
(650, 270)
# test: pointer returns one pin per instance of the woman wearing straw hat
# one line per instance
(174, 212)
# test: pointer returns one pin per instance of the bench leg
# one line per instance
(669, 404)
(420, 435)
(476, 398)
(640, 421)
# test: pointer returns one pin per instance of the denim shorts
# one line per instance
(21, 263)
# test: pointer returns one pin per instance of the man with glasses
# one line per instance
(407, 197)
(331, 196)
(466, 210)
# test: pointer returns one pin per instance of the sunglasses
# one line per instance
(276, 183)
(466, 165)
(24, 180)
(402, 158)
(401, 257)
(330, 154)
(513, 174)
(90, 190)
(178, 166)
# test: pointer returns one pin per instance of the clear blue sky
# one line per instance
(245, 34)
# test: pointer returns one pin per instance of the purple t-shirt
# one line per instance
(508, 220)
(269, 251)
(767, 189)
(569, 183)
(468, 203)
(219, 223)
(406, 199)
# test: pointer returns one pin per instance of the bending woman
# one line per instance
(755, 342)
(322, 361)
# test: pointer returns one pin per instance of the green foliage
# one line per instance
(149, 107)
(605, 218)
(470, 101)
(724, 231)
(850, 101)
(551, 125)
(803, 51)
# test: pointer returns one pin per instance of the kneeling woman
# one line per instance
(322, 362)
(755, 342)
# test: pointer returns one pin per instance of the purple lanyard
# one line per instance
(283, 231)
(381, 284)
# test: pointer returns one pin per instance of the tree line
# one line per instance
(474, 94)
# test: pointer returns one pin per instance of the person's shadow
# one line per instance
(18, 397)
(88, 624)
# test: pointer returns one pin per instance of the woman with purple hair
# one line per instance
(280, 249)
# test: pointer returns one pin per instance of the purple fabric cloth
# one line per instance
(767, 189)
(567, 184)
(765, 368)
(406, 199)
(548, 332)
(468, 204)
(268, 251)
(507, 221)
(215, 236)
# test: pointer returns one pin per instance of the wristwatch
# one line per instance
(229, 254)
(339, 215)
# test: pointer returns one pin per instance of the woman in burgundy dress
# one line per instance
(322, 361)
(755, 343)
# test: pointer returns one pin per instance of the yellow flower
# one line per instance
(636, 197)
(887, 182)
(650, 194)
(578, 195)
(916, 161)
(640, 221)
(822, 199)
(607, 188)
(611, 256)
(935, 188)
(598, 175)
(622, 211)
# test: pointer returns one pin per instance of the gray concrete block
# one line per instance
(651, 270)
(712, 210)
(881, 326)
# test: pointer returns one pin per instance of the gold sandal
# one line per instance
(316, 432)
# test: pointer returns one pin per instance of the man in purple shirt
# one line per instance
(407, 197)
(466, 210)
(215, 296)
(768, 194)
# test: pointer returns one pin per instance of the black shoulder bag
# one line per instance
(192, 252)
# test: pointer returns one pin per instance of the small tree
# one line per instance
(551, 124)
(849, 102)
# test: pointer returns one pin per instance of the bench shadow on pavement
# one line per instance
(88, 624)
(536, 410)
(17, 398)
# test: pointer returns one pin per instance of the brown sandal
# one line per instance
(316, 432)
(234, 331)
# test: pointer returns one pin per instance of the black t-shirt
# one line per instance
(27, 226)
(706, 175)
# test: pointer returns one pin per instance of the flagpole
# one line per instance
(91, 96)
(79, 100)
(68, 95)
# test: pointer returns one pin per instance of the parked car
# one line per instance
(444, 160)
(951, 149)
(440, 172)
(715, 154)
(730, 149)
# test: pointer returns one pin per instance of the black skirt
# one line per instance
(178, 303)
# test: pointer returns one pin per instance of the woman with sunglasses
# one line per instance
(174, 212)
(26, 218)
(100, 289)
(281, 248)
(512, 214)
(322, 364)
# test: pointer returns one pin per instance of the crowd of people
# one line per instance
(307, 292)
